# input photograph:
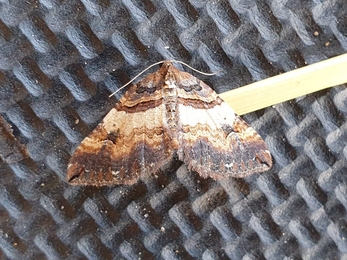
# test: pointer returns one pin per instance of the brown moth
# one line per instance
(168, 113)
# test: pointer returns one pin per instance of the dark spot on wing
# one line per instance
(227, 129)
(112, 136)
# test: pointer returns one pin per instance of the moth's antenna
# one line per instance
(157, 63)
(126, 84)
(198, 71)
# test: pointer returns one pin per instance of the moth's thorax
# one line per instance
(170, 103)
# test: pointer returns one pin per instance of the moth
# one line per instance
(168, 113)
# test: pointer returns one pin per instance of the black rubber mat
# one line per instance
(59, 61)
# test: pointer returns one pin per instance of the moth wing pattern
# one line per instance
(214, 141)
(169, 112)
(131, 140)
(224, 148)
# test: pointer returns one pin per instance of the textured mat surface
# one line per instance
(59, 60)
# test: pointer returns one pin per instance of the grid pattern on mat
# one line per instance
(59, 60)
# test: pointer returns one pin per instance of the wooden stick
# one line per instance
(288, 85)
